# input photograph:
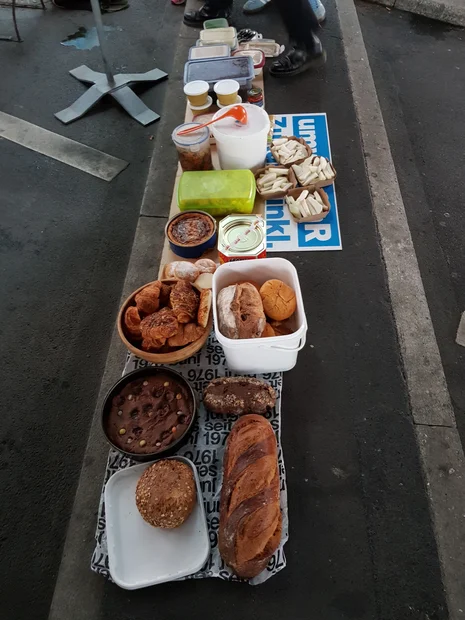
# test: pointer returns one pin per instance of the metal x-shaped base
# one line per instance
(118, 88)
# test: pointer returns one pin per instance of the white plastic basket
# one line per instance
(261, 355)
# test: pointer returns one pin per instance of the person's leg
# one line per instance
(299, 19)
(210, 10)
(307, 51)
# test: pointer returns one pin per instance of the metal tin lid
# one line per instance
(238, 236)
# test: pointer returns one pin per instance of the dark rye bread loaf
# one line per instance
(250, 514)
(239, 396)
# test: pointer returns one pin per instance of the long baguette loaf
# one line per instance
(250, 515)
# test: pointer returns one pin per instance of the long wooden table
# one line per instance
(259, 207)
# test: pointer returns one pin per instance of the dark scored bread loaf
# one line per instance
(240, 311)
(250, 514)
(239, 395)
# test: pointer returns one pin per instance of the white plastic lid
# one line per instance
(190, 139)
(257, 121)
(226, 87)
(257, 56)
(195, 88)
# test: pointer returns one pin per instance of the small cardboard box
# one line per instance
(299, 161)
(319, 183)
(271, 195)
(295, 193)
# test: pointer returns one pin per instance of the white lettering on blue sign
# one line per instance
(277, 223)
(284, 233)
(308, 133)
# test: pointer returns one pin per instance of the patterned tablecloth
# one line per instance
(205, 448)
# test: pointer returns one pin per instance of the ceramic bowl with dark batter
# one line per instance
(149, 413)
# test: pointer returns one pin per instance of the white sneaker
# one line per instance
(318, 9)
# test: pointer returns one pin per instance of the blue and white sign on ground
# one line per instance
(283, 233)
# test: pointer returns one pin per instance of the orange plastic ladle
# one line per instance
(237, 112)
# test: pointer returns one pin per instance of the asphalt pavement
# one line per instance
(65, 240)
(361, 542)
(418, 67)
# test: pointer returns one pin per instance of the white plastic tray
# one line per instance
(141, 555)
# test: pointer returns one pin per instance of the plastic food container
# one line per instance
(226, 91)
(213, 70)
(209, 51)
(258, 58)
(242, 146)
(261, 355)
(201, 109)
(140, 555)
(219, 192)
(197, 92)
(194, 148)
(219, 22)
(219, 35)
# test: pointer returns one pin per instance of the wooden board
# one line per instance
(259, 207)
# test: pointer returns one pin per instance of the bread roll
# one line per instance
(205, 305)
(239, 396)
(279, 300)
(205, 280)
(250, 515)
(166, 493)
(240, 311)
(182, 270)
(268, 332)
(205, 265)
(280, 328)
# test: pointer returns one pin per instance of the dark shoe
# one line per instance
(298, 60)
(195, 19)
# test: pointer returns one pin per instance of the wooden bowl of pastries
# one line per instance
(166, 321)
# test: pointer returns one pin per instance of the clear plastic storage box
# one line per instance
(215, 69)
(218, 192)
(209, 51)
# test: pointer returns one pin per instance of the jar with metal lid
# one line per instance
(241, 237)
(255, 96)
(194, 148)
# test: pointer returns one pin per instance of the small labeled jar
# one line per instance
(255, 96)
(193, 148)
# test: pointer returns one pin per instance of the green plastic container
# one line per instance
(219, 22)
(218, 192)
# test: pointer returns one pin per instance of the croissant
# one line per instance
(148, 299)
(184, 301)
(153, 345)
(165, 293)
(187, 333)
(132, 322)
(159, 325)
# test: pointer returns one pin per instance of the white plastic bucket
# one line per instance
(242, 146)
(261, 355)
